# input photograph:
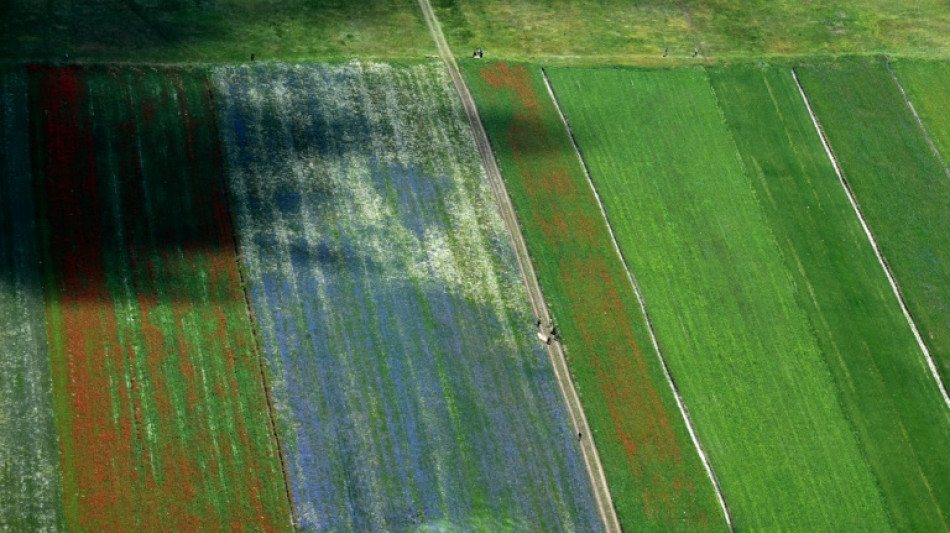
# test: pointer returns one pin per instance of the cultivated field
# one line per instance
(739, 345)
(653, 470)
(410, 388)
(898, 182)
(159, 403)
(30, 490)
(925, 83)
(275, 291)
(896, 411)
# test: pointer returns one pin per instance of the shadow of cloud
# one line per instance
(209, 30)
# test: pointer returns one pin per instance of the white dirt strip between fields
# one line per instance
(555, 351)
(643, 308)
(877, 250)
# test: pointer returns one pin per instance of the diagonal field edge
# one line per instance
(258, 343)
(874, 245)
(636, 289)
(920, 123)
(555, 351)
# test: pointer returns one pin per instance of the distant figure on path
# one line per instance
(666, 52)
(695, 51)
(252, 56)
(580, 435)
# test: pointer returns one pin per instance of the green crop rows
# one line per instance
(738, 343)
(889, 396)
(898, 182)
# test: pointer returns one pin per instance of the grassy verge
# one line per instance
(654, 473)
(738, 344)
(592, 32)
(898, 183)
(212, 31)
(888, 395)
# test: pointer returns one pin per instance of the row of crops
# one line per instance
(252, 297)
(371, 344)
(803, 380)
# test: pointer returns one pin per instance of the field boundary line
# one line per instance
(920, 123)
(556, 355)
(873, 241)
(643, 308)
(258, 345)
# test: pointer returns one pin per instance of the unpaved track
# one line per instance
(555, 352)
(643, 308)
(877, 249)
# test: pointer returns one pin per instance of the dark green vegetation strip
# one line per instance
(738, 343)
(654, 472)
(158, 397)
(667, 33)
(898, 182)
(212, 30)
(888, 394)
(30, 485)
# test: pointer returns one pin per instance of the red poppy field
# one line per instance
(654, 472)
(159, 400)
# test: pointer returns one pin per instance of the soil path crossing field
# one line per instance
(643, 308)
(555, 352)
(877, 249)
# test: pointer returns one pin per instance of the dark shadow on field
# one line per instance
(127, 183)
(209, 30)
(124, 188)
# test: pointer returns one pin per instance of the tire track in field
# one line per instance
(920, 123)
(555, 351)
(874, 245)
(636, 290)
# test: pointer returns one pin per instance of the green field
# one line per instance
(220, 31)
(898, 183)
(652, 468)
(925, 83)
(739, 345)
(898, 415)
(30, 490)
(597, 32)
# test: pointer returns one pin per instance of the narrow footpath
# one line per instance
(555, 352)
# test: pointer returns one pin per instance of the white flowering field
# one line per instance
(410, 392)
(30, 490)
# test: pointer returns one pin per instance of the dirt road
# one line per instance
(555, 351)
